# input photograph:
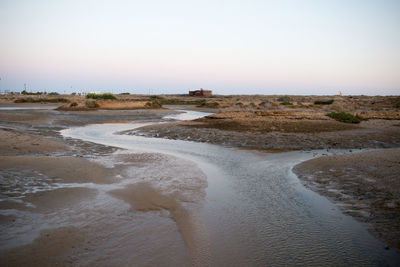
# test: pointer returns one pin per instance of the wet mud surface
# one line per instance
(70, 202)
(365, 185)
(370, 134)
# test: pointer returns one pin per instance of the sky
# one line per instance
(231, 47)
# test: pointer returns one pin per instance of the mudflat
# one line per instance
(281, 131)
(33, 153)
(366, 185)
(42, 175)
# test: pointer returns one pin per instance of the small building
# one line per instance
(200, 92)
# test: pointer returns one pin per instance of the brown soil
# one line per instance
(272, 133)
(61, 169)
(265, 125)
(12, 142)
(270, 121)
(366, 185)
(56, 247)
(36, 118)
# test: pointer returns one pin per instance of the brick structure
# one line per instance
(200, 92)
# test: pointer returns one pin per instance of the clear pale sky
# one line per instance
(231, 47)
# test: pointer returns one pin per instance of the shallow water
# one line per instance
(210, 205)
(28, 107)
(255, 211)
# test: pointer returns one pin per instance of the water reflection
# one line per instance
(256, 212)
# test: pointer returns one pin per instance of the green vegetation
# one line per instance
(165, 101)
(91, 104)
(73, 104)
(319, 102)
(24, 92)
(153, 104)
(286, 103)
(40, 100)
(209, 104)
(105, 96)
(53, 93)
(284, 99)
(345, 117)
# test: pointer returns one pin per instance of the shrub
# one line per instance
(156, 97)
(24, 92)
(73, 104)
(284, 99)
(23, 100)
(165, 101)
(106, 96)
(345, 117)
(153, 104)
(319, 102)
(286, 103)
(209, 104)
(53, 93)
(91, 104)
(40, 100)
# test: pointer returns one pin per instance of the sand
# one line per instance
(34, 155)
(56, 247)
(12, 143)
(365, 185)
(292, 134)
(31, 146)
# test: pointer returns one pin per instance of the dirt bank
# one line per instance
(365, 185)
(281, 133)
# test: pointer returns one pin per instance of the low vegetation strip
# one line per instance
(345, 117)
(328, 102)
(40, 100)
(174, 101)
(105, 96)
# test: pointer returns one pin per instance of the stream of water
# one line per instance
(247, 208)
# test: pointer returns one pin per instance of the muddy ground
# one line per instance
(31, 139)
(365, 185)
(281, 131)
(34, 156)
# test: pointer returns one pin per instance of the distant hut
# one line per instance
(200, 92)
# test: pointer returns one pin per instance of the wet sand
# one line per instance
(294, 134)
(54, 160)
(143, 197)
(15, 143)
(361, 184)
(365, 185)
(43, 174)
(56, 247)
